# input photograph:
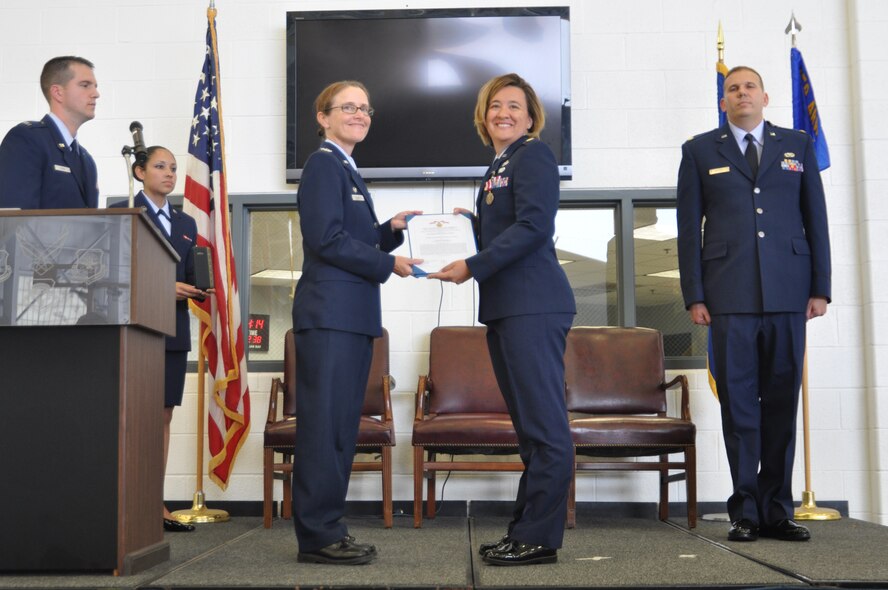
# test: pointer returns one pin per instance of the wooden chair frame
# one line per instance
(663, 465)
(491, 427)
(283, 468)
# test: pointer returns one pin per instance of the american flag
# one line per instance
(221, 337)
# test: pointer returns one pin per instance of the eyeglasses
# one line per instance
(350, 109)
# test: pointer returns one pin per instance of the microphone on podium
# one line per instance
(139, 149)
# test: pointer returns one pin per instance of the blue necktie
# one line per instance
(81, 169)
(752, 154)
(161, 215)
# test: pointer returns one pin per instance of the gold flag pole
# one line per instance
(809, 509)
(720, 45)
(199, 513)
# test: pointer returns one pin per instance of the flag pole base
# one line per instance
(810, 511)
(199, 513)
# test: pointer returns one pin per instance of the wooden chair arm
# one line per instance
(422, 391)
(685, 396)
(276, 385)
(387, 384)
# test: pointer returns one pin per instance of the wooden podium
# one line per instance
(86, 297)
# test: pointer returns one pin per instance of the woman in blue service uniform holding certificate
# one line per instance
(528, 307)
(336, 315)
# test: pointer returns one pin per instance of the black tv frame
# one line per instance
(420, 173)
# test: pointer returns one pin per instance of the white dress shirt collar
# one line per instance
(63, 129)
(740, 135)
(342, 151)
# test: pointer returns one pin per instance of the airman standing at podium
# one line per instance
(758, 270)
(42, 165)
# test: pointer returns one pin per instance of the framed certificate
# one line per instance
(439, 239)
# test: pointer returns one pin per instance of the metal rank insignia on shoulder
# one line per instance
(489, 198)
(326, 149)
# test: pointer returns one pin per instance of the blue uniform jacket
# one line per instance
(38, 171)
(516, 266)
(183, 237)
(345, 248)
(765, 243)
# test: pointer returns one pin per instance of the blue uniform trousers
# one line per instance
(527, 352)
(758, 366)
(331, 379)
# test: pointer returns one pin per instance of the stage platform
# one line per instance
(604, 551)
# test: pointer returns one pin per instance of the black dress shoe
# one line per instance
(786, 530)
(743, 530)
(515, 553)
(370, 548)
(342, 552)
(485, 547)
(174, 526)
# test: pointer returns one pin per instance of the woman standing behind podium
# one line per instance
(158, 178)
(528, 307)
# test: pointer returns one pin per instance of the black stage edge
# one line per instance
(606, 551)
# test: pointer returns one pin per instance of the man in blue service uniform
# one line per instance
(756, 273)
(42, 165)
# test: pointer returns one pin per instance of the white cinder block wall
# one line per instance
(642, 77)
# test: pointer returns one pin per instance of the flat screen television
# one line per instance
(423, 69)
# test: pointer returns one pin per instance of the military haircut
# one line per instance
(58, 71)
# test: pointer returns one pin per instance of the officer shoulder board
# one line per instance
(32, 124)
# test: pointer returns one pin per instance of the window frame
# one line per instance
(622, 201)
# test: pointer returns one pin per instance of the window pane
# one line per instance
(658, 300)
(585, 242)
(275, 266)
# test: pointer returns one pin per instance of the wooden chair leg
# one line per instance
(430, 490)
(664, 489)
(418, 453)
(267, 483)
(572, 498)
(691, 482)
(387, 517)
(287, 502)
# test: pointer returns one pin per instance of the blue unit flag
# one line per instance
(805, 115)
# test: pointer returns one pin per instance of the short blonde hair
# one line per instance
(324, 101)
(489, 90)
